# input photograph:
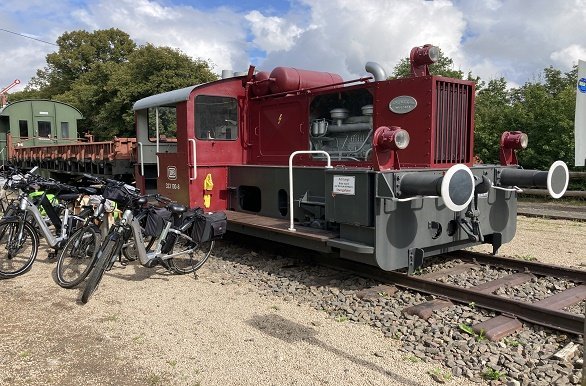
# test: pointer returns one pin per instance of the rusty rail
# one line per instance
(547, 312)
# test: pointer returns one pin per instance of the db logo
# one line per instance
(171, 172)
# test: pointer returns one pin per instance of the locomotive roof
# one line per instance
(164, 99)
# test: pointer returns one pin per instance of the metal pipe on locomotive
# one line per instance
(403, 185)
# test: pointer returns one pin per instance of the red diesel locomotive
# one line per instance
(380, 171)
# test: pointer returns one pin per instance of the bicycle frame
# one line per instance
(27, 206)
(146, 257)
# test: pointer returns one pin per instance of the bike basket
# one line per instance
(155, 221)
(209, 226)
(118, 195)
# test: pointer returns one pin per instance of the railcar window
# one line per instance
(44, 129)
(64, 130)
(23, 128)
(216, 118)
(167, 120)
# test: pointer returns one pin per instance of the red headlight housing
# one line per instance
(510, 142)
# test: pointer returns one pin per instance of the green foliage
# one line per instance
(492, 374)
(468, 329)
(440, 376)
(103, 73)
(543, 109)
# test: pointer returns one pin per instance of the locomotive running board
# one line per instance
(277, 230)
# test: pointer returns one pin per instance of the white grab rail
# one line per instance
(157, 134)
(141, 158)
(328, 166)
(194, 159)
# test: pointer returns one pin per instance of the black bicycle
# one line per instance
(182, 246)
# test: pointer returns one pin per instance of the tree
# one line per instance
(103, 73)
(543, 109)
(150, 70)
(493, 107)
(79, 52)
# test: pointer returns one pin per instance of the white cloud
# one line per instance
(218, 35)
(492, 38)
(569, 56)
(520, 38)
(344, 35)
(272, 33)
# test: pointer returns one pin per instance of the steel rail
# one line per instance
(520, 265)
(555, 319)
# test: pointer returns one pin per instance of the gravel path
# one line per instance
(252, 319)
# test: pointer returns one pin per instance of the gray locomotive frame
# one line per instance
(373, 225)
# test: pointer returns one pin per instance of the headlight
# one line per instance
(514, 140)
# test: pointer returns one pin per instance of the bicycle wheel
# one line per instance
(105, 256)
(78, 256)
(18, 250)
(189, 263)
(77, 221)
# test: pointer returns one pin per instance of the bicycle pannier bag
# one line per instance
(117, 194)
(209, 226)
(155, 221)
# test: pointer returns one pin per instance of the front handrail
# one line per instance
(194, 159)
(328, 166)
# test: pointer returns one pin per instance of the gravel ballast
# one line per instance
(258, 317)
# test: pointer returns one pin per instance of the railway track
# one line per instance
(547, 312)
(552, 211)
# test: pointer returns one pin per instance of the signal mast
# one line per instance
(3, 102)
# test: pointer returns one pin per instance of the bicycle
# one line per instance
(78, 255)
(177, 232)
(21, 227)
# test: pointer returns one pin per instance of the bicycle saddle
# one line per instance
(176, 208)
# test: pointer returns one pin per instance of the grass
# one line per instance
(526, 257)
(511, 342)
(139, 339)
(24, 354)
(441, 375)
(341, 318)
(412, 358)
(275, 307)
(492, 374)
(172, 363)
(154, 379)
(469, 330)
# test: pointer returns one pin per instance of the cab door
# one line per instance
(214, 144)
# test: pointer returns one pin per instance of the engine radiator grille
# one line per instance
(453, 129)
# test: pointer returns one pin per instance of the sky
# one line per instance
(514, 39)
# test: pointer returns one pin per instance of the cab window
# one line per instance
(216, 118)
(165, 117)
